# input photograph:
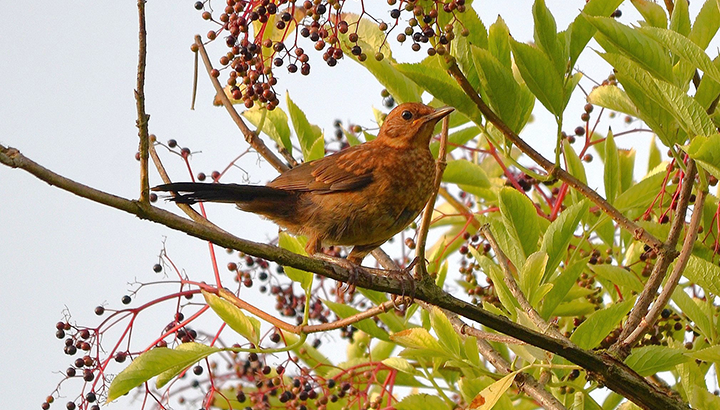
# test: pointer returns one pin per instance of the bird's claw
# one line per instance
(354, 272)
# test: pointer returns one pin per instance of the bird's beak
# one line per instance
(439, 113)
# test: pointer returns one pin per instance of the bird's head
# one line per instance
(411, 124)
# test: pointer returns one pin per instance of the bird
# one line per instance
(360, 196)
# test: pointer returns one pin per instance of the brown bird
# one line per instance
(361, 196)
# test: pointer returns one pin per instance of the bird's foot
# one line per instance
(354, 271)
(407, 284)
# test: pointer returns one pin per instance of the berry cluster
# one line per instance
(263, 35)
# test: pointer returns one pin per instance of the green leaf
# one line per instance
(511, 101)
(464, 172)
(561, 285)
(546, 85)
(421, 402)
(652, 12)
(531, 275)
(372, 39)
(478, 34)
(472, 353)
(366, 325)
(558, 235)
(305, 279)
(618, 276)
(612, 169)
(691, 309)
(614, 98)
(275, 124)
(686, 49)
(444, 330)
(431, 76)
(155, 361)
(641, 194)
(709, 354)
(575, 167)
(520, 219)
(654, 155)
(703, 273)
(627, 168)
(310, 136)
(546, 36)
(248, 327)
(648, 360)
(499, 42)
(489, 396)
(581, 31)
(706, 24)
(706, 151)
(598, 325)
(638, 46)
(680, 18)
(417, 338)
(398, 363)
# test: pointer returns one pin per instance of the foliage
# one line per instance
(581, 262)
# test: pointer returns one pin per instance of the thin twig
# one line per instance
(142, 117)
(553, 169)
(672, 281)
(441, 163)
(250, 136)
(661, 265)
(524, 381)
(606, 369)
(515, 289)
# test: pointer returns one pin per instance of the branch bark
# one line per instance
(604, 368)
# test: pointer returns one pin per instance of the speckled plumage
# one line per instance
(361, 196)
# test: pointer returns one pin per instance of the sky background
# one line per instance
(67, 75)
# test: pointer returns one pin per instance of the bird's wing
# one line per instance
(344, 171)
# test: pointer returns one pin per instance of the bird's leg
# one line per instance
(351, 264)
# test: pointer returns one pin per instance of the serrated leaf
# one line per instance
(531, 275)
(688, 112)
(520, 220)
(627, 168)
(703, 273)
(310, 136)
(546, 85)
(618, 276)
(470, 348)
(648, 360)
(511, 101)
(400, 364)
(431, 76)
(559, 233)
(499, 42)
(575, 167)
(611, 174)
(305, 279)
(581, 31)
(417, 338)
(641, 194)
(248, 327)
(546, 37)
(274, 124)
(709, 354)
(654, 155)
(683, 47)
(478, 33)
(652, 12)
(598, 325)
(691, 309)
(464, 172)
(489, 396)
(370, 38)
(706, 24)
(154, 362)
(561, 286)
(641, 48)
(366, 325)
(680, 18)
(706, 151)
(444, 329)
(421, 402)
(613, 98)
(489, 268)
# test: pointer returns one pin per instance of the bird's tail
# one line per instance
(192, 192)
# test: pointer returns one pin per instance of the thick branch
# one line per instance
(607, 370)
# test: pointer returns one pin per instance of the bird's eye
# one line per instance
(407, 115)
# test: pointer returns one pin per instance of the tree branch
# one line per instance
(604, 368)
(142, 117)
